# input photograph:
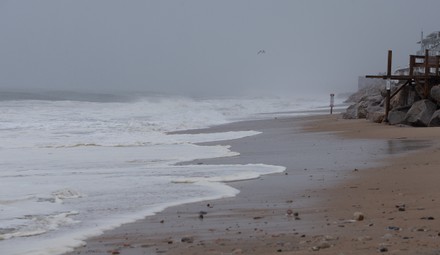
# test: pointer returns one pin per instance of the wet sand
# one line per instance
(335, 168)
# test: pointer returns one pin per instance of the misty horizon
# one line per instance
(205, 48)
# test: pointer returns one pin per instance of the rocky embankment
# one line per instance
(406, 107)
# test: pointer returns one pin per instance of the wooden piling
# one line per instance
(332, 102)
(388, 85)
(387, 105)
(423, 80)
(390, 57)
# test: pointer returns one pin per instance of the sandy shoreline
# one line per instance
(328, 178)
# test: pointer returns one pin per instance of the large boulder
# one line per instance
(376, 116)
(351, 112)
(371, 90)
(406, 96)
(435, 119)
(361, 109)
(375, 100)
(367, 104)
(420, 113)
(435, 94)
(396, 117)
(400, 99)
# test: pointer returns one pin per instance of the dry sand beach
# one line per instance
(351, 187)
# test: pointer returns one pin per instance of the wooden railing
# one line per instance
(423, 73)
(424, 65)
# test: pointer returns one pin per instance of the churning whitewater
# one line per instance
(71, 169)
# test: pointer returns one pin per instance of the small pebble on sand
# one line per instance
(187, 239)
(383, 249)
(359, 216)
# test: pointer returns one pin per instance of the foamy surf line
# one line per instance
(205, 181)
(66, 242)
(71, 170)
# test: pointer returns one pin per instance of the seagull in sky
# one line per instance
(261, 52)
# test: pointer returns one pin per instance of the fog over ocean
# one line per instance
(90, 92)
(75, 164)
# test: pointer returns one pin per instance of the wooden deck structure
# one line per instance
(423, 73)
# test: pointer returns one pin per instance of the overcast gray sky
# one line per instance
(206, 47)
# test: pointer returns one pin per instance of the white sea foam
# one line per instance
(70, 170)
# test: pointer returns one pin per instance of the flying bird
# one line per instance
(261, 52)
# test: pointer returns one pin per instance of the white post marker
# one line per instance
(332, 102)
(388, 99)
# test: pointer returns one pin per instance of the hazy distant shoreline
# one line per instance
(83, 96)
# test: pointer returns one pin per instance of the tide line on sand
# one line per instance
(350, 207)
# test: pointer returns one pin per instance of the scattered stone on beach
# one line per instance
(162, 221)
(315, 248)
(187, 239)
(427, 218)
(387, 236)
(364, 238)
(383, 249)
(290, 213)
(358, 216)
(237, 251)
(401, 207)
(329, 238)
(394, 228)
(322, 245)
(115, 252)
(202, 214)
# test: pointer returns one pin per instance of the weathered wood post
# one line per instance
(332, 102)
(426, 89)
(437, 65)
(388, 85)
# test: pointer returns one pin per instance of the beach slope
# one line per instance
(350, 187)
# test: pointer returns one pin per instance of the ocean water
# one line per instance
(70, 169)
